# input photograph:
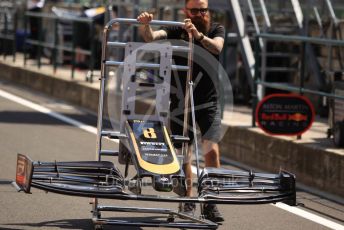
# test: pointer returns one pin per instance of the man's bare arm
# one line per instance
(214, 45)
(149, 35)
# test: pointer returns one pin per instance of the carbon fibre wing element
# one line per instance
(220, 185)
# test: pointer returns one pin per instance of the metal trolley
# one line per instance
(102, 179)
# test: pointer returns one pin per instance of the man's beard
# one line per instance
(202, 23)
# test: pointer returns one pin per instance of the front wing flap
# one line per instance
(84, 178)
(219, 185)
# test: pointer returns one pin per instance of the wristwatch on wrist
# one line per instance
(201, 37)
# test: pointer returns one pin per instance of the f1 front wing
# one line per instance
(101, 179)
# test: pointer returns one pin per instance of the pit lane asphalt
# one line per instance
(23, 130)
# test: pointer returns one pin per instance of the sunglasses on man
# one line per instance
(195, 11)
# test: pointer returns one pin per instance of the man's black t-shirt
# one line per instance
(216, 30)
(205, 78)
(204, 71)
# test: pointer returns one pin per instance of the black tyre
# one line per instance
(338, 134)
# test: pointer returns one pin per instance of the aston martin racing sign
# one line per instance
(285, 114)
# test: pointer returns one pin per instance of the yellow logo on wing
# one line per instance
(149, 133)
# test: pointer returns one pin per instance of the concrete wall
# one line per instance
(312, 165)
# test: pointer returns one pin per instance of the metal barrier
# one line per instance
(329, 43)
(54, 46)
(8, 28)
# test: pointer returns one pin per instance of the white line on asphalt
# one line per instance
(91, 129)
(47, 111)
(310, 216)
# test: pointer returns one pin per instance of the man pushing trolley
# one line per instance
(209, 36)
(148, 148)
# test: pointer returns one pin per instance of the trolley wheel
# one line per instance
(98, 227)
(170, 218)
(338, 134)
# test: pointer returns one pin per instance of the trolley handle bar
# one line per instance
(135, 22)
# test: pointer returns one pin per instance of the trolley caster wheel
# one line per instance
(135, 185)
(98, 227)
(98, 215)
(170, 219)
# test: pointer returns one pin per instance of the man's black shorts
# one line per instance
(207, 115)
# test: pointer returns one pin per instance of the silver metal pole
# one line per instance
(194, 126)
(187, 94)
(265, 13)
(100, 109)
(153, 22)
